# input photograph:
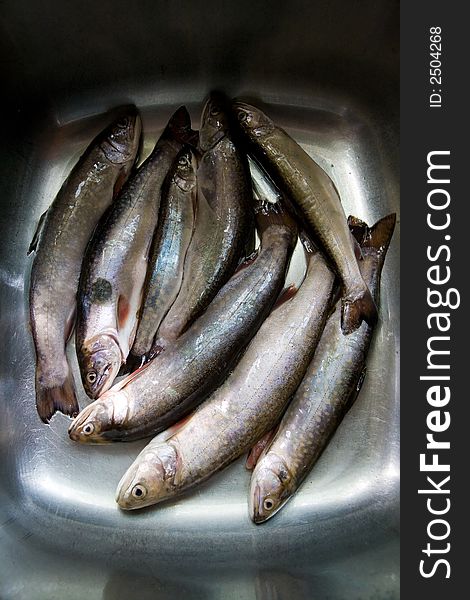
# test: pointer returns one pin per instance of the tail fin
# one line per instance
(179, 127)
(61, 398)
(375, 239)
(355, 311)
(269, 214)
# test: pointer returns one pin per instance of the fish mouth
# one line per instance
(215, 121)
(123, 492)
(121, 500)
(103, 355)
(266, 501)
(105, 381)
(124, 504)
(77, 435)
(134, 130)
(251, 119)
(257, 515)
(74, 433)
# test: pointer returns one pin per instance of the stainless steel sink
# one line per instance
(327, 71)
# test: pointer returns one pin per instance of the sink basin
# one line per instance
(328, 73)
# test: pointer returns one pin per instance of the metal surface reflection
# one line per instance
(325, 71)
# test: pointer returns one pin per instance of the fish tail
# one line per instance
(179, 127)
(60, 398)
(358, 228)
(372, 240)
(362, 308)
(274, 213)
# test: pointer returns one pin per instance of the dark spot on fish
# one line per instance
(101, 291)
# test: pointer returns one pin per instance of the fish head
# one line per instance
(150, 479)
(271, 485)
(91, 422)
(100, 359)
(185, 170)
(122, 138)
(214, 121)
(252, 120)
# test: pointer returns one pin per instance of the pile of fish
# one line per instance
(183, 330)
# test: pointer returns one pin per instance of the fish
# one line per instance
(245, 407)
(317, 200)
(328, 390)
(168, 387)
(223, 223)
(172, 238)
(59, 243)
(115, 264)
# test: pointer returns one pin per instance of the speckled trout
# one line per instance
(172, 238)
(317, 199)
(60, 242)
(328, 389)
(115, 265)
(223, 223)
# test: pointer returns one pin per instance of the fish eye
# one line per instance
(214, 111)
(122, 123)
(183, 161)
(88, 429)
(242, 116)
(268, 504)
(91, 377)
(138, 491)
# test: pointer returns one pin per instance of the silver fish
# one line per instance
(60, 242)
(246, 406)
(307, 184)
(115, 265)
(172, 238)
(223, 222)
(328, 389)
(169, 386)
